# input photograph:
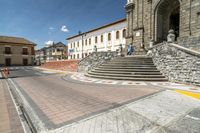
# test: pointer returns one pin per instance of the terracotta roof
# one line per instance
(107, 25)
(15, 40)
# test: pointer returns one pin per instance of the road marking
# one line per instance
(194, 118)
(191, 94)
(1, 75)
(39, 74)
(24, 126)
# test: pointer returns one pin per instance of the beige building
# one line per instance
(16, 51)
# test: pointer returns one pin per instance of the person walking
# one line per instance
(130, 49)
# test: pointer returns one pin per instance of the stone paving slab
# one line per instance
(9, 119)
(155, 114)
(190, 123)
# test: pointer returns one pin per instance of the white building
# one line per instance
(105, 38)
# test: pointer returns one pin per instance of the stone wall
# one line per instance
(192, 43)
(67, 65)
(95, 59)
(177, 63)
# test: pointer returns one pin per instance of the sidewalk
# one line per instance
(53, 70)
(9, 119)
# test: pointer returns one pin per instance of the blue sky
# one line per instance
(41, 20)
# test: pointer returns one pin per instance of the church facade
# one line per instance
(150, 20)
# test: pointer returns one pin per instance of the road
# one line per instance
(54, 101)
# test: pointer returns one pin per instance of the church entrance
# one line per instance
(167, 15)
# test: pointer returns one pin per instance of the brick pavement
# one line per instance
(58, 102)
(9, 119)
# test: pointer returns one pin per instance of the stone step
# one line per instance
(137, 68)
(127, 67)
(122, 72)
(127, 78)
(130, 59)
(128, 62)
(127, 70)
(126, 75)
(135, 56)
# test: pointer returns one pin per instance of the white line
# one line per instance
(39, 74)
(194, 118)
(37, 120)
(1, 75)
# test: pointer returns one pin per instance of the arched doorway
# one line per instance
(167, 16)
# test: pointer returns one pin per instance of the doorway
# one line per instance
(8, 61)
(25, 62)
(175, 20)
(167, 16)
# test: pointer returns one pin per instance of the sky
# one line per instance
(44, 21)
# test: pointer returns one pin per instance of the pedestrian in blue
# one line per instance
(130, 49)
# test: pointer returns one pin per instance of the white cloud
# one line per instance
(51, 28)
(48, 43)
(64, 29)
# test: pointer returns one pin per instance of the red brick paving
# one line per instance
(9, 119)
(62, 101)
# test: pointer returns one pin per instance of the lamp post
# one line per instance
(82, 37)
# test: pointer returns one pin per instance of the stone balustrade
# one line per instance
(178, 63)
(95, 59)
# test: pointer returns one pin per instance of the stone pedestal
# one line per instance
(171, 36)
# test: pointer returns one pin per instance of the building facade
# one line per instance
(16, 51)
(150, 20)
(40, 56)
(54, 52)
(105, 38)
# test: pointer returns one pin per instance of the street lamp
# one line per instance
(82, 37)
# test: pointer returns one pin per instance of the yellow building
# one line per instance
(15, 51)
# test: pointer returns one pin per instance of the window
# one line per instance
(32, 51)
(117, 35)
(25, 51)
(77, 56)
(101, 38)
(74, 56)
(96, 39)
(109, 36)
(90, 41)
(74, 45)
(71, 45)
(86, 42)
(7, 50)
(124, 33)
(78, 44)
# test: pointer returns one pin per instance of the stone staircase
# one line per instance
(135, 68)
